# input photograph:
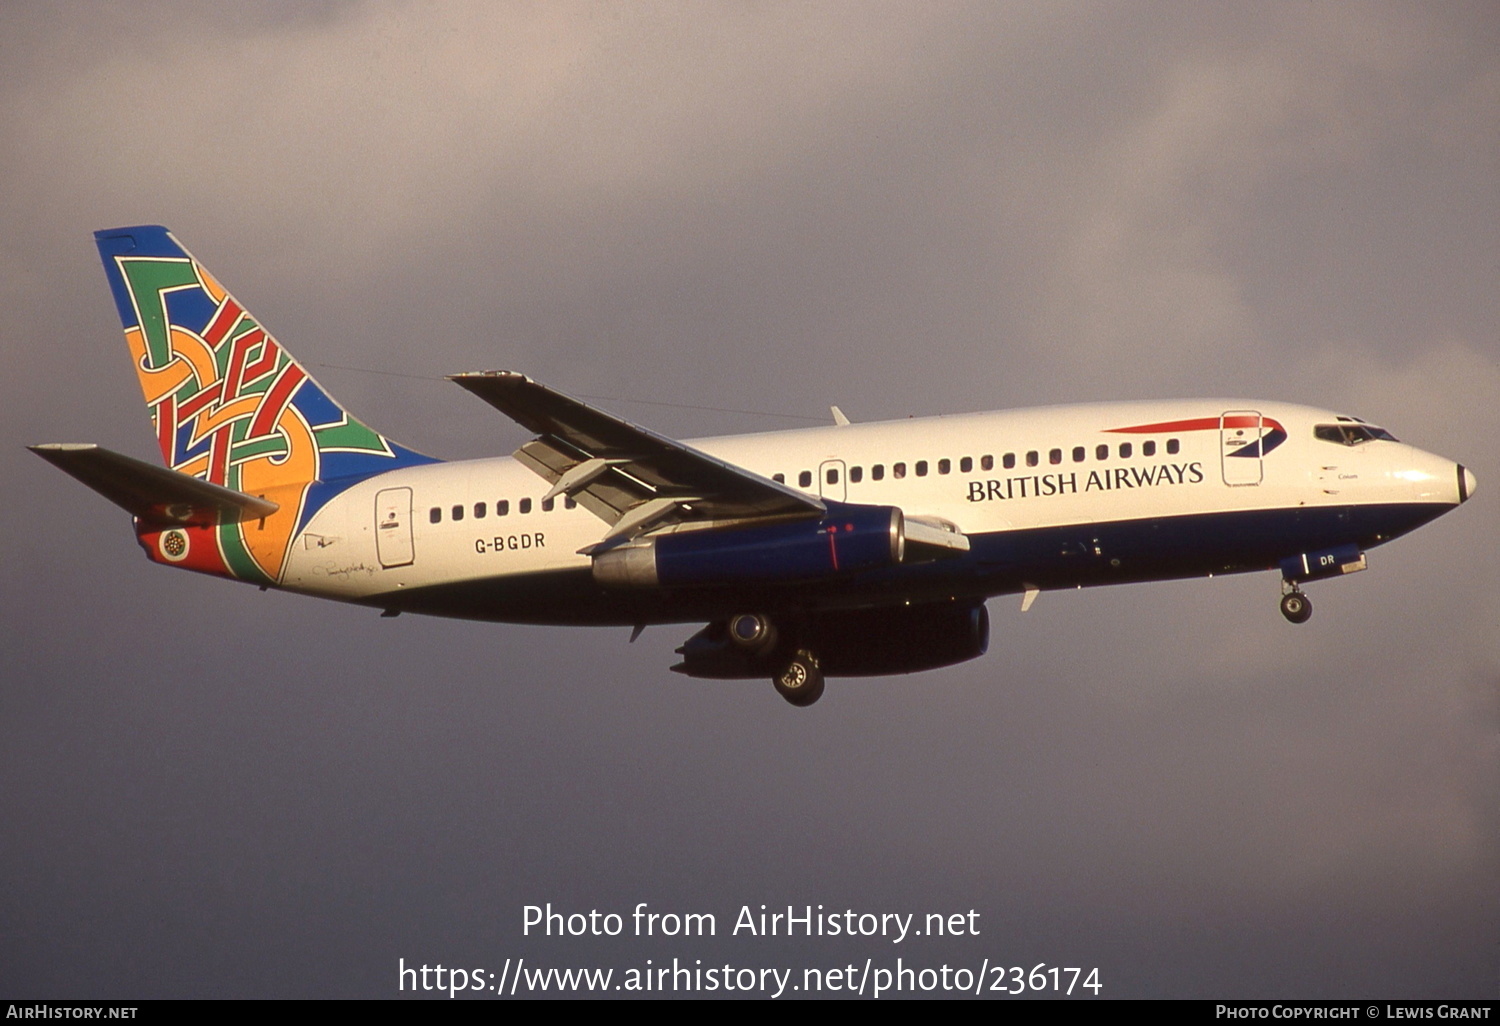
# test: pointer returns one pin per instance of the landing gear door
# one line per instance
(393, 527)
(1240, 433)
(831, 484)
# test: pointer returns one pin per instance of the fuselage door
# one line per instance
(831, 480)
(393, 527)
(1240, 433)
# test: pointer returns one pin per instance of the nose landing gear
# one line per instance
(1295, 606)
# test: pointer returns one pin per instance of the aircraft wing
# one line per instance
(628, 476)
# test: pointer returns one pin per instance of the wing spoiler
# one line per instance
(153, 492)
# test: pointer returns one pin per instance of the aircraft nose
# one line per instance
(1466, 483)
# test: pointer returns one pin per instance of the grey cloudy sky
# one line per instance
(900, 208)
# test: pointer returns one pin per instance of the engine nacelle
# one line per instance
(851, 643)
(851, 540)
(901, 639)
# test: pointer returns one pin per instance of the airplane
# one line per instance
(843, 550)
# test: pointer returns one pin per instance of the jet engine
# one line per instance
(850, 643)
(848, 540)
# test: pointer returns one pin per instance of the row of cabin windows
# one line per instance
(502, 509)
(856, 475)
(966, 464)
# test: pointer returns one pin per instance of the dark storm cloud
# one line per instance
(902, 209)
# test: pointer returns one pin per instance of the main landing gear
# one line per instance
(1295, 606)
(800, 682)
(799, 679)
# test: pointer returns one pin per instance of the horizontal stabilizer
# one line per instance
(153, 492)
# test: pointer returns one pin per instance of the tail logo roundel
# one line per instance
(230, 405)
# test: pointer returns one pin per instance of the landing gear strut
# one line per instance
(800, 682)
(1296, 606)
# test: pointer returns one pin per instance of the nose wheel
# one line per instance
(1296, 606)
(800, 682)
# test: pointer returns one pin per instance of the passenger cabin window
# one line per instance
(986, 463)
(479, 510)
(458, 512)
(856, 475)
(1173, 446)
(1010, 461)
(1148, 448)
(524, 506)
(502, 507)
(965, 465)
(568, 503)
(1124, 450)
(945, 466)
(877, 472)
(1079, 453)
(1101, 452)
(547, 505)
(921, 468)
(435, 515)
(804, 479)
(779, 478)
(898, 470)
(832, 477)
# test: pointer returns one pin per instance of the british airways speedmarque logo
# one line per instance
(1271, 432)
(1247, 435)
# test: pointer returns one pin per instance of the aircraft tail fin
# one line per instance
(230, 406)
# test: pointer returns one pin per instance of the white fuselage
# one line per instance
(992, 475)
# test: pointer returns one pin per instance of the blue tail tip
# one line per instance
(141, 239)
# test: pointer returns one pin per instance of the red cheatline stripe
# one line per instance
(1197, 424)
(269, 411)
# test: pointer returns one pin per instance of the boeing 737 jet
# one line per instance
(847, 550)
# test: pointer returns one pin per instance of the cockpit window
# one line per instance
(1349, 433)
